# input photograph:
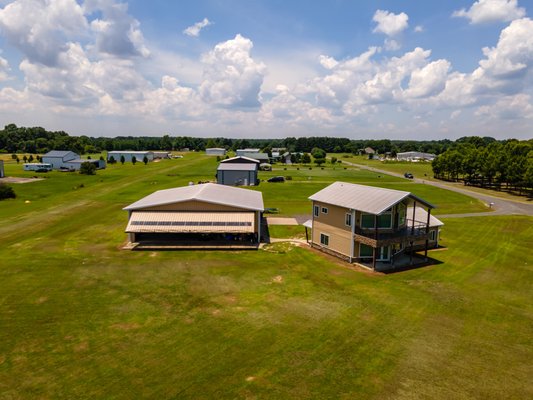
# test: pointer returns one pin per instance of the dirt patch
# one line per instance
(42, 299)
(83, 346)
(250, 378)
(11, 179)
(277, 279)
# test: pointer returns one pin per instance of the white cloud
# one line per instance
(117, 33)
(508, 108)
(328, 62)
(4, 69)
(429, 80)
(507, 66)
(389, 23)
(39, 28)
(195, 29)
(391, 44)
(231, 76)
(485, 11)
(419, 28)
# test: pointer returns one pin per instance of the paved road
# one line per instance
(500, 206)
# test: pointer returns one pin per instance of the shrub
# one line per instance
(122, 160)
(288, 178)
(6, 192)
(145, 160)
(112, 160)
(88, 168)
(133, 160)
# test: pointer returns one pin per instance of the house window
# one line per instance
(432, 235)
(348, 219)
(365, 251)
(316, 210)
(324, 210)
(402, 212)
(385, 221)
(324, 240)
(367, 221)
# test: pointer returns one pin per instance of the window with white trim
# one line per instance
(324, 239)
(432, 235)
(316, 210)
(348, 219)
(324, 210)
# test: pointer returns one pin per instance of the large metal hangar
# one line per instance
(198, 216)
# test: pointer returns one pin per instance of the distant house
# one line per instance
(415, 156)
(241, 152)
(370, 224)
(286, 158)
(161, 155)
(237, 174)
(59, 158)
(261, 157)
(63, 160)
(2, 173)
(197, 216)
(369, 150)
(215, 151)
(128, 155)
(240, 160)
(76, 164)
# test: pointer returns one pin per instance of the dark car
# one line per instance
(277, 179)
(408, 175)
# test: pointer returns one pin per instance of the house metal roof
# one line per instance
(237, 167)
(59, 153)
(368, 199)
(421, 216)
(206, 192)
(229, 160)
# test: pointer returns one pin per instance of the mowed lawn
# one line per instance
(81, 318)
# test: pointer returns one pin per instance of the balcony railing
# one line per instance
(411, 232)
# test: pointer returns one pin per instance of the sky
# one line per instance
(361, 69)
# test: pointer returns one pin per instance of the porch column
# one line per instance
(258, 227)
(375, 237)
(427, 233)
(352, 238)
(414, 214)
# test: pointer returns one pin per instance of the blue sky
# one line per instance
(358, 69)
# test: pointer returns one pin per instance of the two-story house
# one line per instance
(370, 224)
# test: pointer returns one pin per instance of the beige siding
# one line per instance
(339, 239)
(192, 206)
(336, 216)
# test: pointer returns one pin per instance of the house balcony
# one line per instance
(410, 233)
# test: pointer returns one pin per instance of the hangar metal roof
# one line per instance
(237, 167)
(369, 199)
(206, 192)
(60, 153)
(240, 158)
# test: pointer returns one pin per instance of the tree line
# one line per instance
(37, 140)
(486, 163)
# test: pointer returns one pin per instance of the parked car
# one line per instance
(408, 175)
(277, 179)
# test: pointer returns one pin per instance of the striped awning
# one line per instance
(191, 222)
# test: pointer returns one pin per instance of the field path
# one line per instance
(500, 206)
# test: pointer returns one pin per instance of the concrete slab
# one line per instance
(281, 221)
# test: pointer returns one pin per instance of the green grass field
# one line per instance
(420, 170)
(80, 318)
